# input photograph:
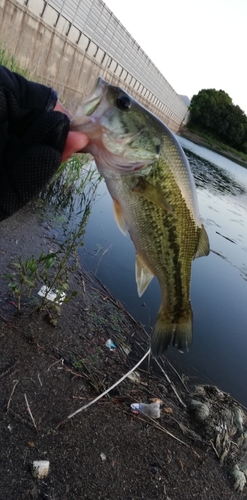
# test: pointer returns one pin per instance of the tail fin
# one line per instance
(167, 329)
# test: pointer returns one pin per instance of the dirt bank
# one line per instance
(105, 452)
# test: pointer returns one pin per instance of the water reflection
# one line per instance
(73, 189)
(213, 178)
(70, 197)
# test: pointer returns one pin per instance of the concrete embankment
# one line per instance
(58, 54)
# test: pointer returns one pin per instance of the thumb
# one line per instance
(76, 141)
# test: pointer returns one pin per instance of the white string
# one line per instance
(110, 388)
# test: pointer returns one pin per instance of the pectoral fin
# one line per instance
(143, 275)
(151, 193)
(118, 214)
(203, 248)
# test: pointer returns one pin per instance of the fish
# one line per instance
(154, 199)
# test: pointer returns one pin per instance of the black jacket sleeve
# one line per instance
(32, 139)
(20, 97)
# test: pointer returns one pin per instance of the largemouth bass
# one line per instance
(154, 196)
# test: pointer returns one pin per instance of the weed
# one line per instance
(23, 279)
(53, 269)
(78, 364)
(73, 186)
(7, 60)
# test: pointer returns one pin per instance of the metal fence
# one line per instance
(93, 19)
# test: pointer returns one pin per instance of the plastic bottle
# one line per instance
(151, 410)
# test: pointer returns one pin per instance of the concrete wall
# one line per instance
(65, 58)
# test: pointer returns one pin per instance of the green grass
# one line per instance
(73, 186)
(215, 143)
(7, 60)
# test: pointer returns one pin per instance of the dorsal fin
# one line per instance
(203, 248)
(143, 275)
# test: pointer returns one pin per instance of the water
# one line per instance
(219, 282)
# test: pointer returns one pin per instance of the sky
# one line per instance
(196, 44)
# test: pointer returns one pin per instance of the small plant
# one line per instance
(8, 60)
(23, 280)
(78, 364)
(73, 186)
(52, 270)
(70, 194)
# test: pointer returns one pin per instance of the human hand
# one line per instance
(76, 141)
(34, 139)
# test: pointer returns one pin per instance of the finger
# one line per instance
(76, 141)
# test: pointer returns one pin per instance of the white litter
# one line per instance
(51, 294)
(126, 349)
(135, 377)
(151, 410)
(40, 468)
(110, 344)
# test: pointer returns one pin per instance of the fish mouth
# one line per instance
(94, 104)
(93, 100)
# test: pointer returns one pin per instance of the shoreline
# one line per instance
(196, 139)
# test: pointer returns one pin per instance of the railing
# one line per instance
(93, 27)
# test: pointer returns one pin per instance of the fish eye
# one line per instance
(123, 103)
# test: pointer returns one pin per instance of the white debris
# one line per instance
(152, 410)
(40, 468)
(135, 377)
(126, 349)
(103, 457)
(110, 344)
(50, 294)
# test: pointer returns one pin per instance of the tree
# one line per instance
(214, 111)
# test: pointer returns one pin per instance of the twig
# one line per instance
(120, 306)
(163, 429)
(22, 420)
(3, 319)
(84, 275)
(67, 369)
(105, 392)
(99, 261)
(30, 413)
(235, 400)
(180, 378)
(111, 296)
(11, 395)
(6, 372)
(61, 360)
(39, 379)
(212, 444)
(171, 384)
